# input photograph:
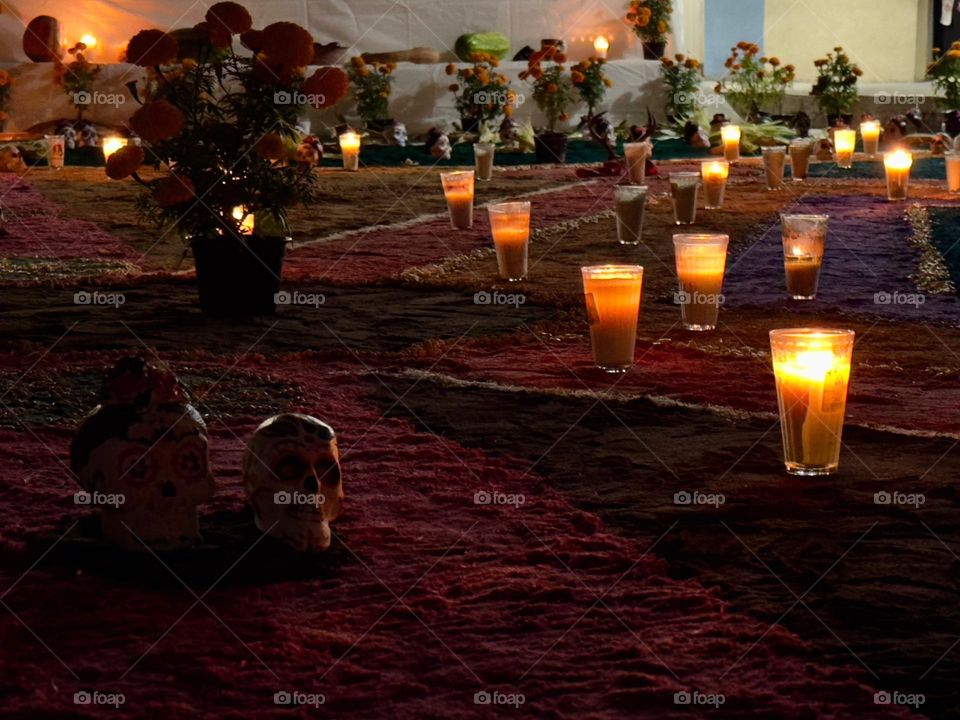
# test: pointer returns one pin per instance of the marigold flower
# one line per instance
(252, 40)
(681, 57)
(552, 88)
(152, 47)
(4, 78)
(157, 121)
(608, 82)
(174, 190)
(450, 69)
(230, 17)
(326, 86)
(858, 72)
(661, 27)
(287, 44)
(775, 61)
(217, 36)
(560, 58)
(577, 77)
(124, 162)
(453, 88)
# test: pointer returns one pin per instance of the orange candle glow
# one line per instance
(870, 132)
(111, 144)
(458, 189)
(715, 174)
(612, 294)
(510, 227)
(812, 371)
(600, 47)
(350, 149)
(730, 134)
(701, 260)
(897, 165)
(246, 220)
(844, 142)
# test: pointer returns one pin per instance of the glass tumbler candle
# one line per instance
(774, 163)
(510, 227)
(897, 165)
(683, 191)
(483, 159)
(458, 190)
(350, 150)
(812, 371)
(730, 135)
(804, 237)
(800, 151)
(952, 161)
(612, 296)
(844, 142)
(56, 151)
(714, 174)
(701, 260)
(637, 155)
(870, 133)
(631, 201)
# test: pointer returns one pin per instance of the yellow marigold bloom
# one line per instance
(357, 62)
(450, 69)
(468, 73)
(953, 53)
(661, 27)
(775, 61)
(681, 57)
(577, 77)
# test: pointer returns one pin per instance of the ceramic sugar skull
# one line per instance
(291, 472)
(396, 134)
(142, 458)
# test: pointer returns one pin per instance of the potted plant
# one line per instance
(755, 85)
(944, 71)
(218, 130)
(682, 76)
(591, 83)
(482, 93)
(77, 78)
(836, 87)
(650, 20)
(372, 83)
(553, 92)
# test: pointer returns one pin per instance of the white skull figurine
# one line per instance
(441, 149)
(291, 472)
(142, 458)
(396, 134)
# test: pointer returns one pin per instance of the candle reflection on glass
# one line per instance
(350, 149)
(730, 134)
(458, 190)
(870, 132)
(714, 174)
(612, 295)
(812, 371)
(897, 165)
(804, 237)
(844, 142)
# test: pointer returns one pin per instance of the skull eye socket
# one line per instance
(328, 472)
(290, 468)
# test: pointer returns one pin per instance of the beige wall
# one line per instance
(888, 39)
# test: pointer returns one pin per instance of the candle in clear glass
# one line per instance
(774, 163)
(812, 371)
(897, 164)
(631, 201)
(844, 142)
(870, 132)
(730, 134)
(701, 260)
(350, 149)
(800, 150)
(714, 174)
(612, 295)
(458, 190)
(952, 161)
(683, 191)
(804, 237)
(56, 149)
(483, 159)
(111, 144)
(636, 155)
(510, 227)
(600, 47)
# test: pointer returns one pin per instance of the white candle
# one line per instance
(600, 47)
(730, 134)
(897, 165)
(350, 149)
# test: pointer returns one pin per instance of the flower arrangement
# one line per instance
(755, 84)
(220, 128)
(482, 93)
(553, 90)
(77, 77)
(944, 71)
(372, 83)
(590, 82)
(836, 87)
(682, 75)
(650, 19)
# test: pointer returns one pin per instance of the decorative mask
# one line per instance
(396, 134)
(291, 472)
(142, 458)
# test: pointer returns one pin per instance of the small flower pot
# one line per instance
(653, 49)
(551, 147)
(470, 124)
(238, 276)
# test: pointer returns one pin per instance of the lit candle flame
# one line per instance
(601, 45)
(245, 219)
(111, 144)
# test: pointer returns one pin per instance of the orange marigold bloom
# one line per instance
(124, 162)
(174, 190)
(450, 69)
(560, 57)
(152, 47)
(552, 88)
(157, 121)
(287, 44)
(327, 86)
(252, 40)
(608, 82)
(577, 77)
(230, 17)
(453, 88)
(217, 36)
(271, 147)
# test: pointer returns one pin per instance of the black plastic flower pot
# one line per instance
(238, 276)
